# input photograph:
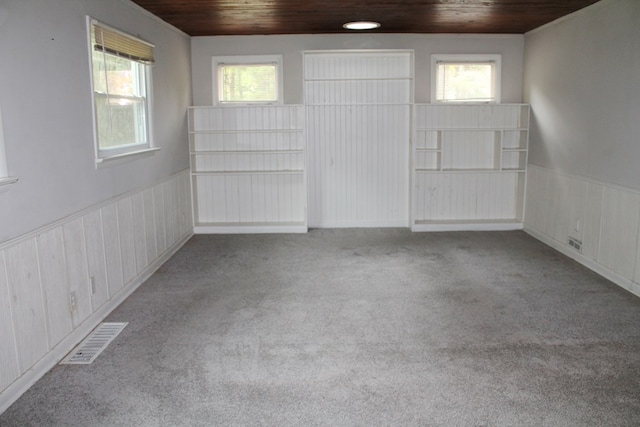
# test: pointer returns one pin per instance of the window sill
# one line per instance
(124, 157)
(4, 183)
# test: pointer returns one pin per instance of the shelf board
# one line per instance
(429, 150)
(240, 131)
(245, 172)
(514, 149)
(468, 129)
(230, 152)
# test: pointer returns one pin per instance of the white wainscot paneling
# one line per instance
(466, 196)
(139, 232)
(95, 244)
(55, 283)
(9, 369)
(603, 218)
(469, 167)
(248, 171)
(99, 256)
(358, 121)
(27, 303)
(77, 269)
(127, 239)
(619, 231)
(113, 252)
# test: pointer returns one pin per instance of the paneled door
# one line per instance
(358, 126)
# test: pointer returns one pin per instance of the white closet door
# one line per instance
(358, 108)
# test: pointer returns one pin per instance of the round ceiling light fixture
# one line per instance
(361, 25)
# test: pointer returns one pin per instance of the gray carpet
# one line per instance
(359, 328)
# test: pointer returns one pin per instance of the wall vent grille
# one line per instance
(91, 347)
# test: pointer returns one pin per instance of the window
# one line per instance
(4, 171)
(247, 80)
(121, 79)
(465, 78)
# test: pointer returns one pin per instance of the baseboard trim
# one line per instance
(614, 277)
(468, 226)
(249, 229)
(55, 355)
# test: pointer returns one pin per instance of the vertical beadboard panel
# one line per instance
(77, 269)
(113, 252)
(27, 303)
(139, 232)
(358, 123)
(576, 199)
(466, 196)
(94, 240)
(592, 220)
(170, 210)
(9, 369)
(618, 239)
(150, 223)
(159, 218)
(55, 284)
(127, 244)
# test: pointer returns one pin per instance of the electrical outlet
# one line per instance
(73, 300)
(92, 282)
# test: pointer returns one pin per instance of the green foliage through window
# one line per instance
(248, 83)
(465, 82)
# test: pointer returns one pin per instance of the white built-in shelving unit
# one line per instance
(248, 168)
(469, 166)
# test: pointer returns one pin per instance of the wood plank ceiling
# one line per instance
(247, 17)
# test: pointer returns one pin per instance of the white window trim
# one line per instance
(105, 157)
(246, 59)
(5, 179)
(496, 58)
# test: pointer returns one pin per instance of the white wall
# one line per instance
(581, 79)
(45, 94)
(292, 46)
(66, 224)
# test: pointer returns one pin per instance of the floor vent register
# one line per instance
(91, 347)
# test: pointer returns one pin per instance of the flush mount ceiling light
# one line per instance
(361, 25)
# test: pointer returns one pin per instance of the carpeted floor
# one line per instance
(359, 328)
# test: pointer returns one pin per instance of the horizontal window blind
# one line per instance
(109, 40)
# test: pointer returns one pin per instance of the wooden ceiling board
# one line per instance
(251, 17)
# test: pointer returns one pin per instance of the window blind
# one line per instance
(109, 40)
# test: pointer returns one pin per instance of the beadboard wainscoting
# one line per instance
(594, 223)
(469, 166)
(59, 282)
(247, 168)
(358, 124)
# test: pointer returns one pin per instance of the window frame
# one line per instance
(144, 69)
(496, 59)
(5, 178)
(216, 61)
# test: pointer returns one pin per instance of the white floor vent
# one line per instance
(91, 347)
